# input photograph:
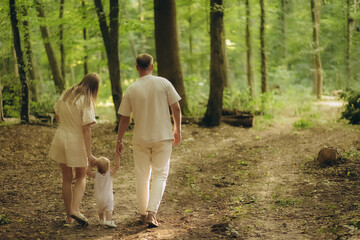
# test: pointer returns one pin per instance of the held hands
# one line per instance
(92, 160)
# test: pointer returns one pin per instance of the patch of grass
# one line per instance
(303, 123)
(213, 155)
(188, 210)
(352, 153)
(10, 121)
(356, 224)
(303, 109)
(286, 202)
(205, 197)
(190, 180)
(238, 211)
(243, 163)
(172, 197)
(4, 219)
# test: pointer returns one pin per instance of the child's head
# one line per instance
(102, 164)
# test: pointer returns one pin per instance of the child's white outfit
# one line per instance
(104, 192)
(104, 195)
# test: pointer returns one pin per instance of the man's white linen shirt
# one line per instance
(148, 99)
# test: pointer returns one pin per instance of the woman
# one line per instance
(71, 146)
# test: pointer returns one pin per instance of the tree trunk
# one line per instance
(167, 47)
(263, 49)
(62, 47)
(190, 38)
(218, 71)
(349, 35)
(15, 65)
(1, 104)
(56, 74)
(25, 102)
(33, 78)
(110, 37)
(250, 74)
(86, 70)
(283, 17)
(318, 77)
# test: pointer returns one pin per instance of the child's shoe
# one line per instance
(110, 224)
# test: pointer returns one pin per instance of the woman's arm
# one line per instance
(87, 139)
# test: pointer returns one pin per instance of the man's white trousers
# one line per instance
(152, 161)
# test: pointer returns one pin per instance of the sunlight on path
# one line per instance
(330, 101)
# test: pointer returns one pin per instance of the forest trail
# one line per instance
(224, 183)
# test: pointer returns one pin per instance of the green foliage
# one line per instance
(243, 163)
(43, 105)
(286, 202)
(285, 73)
(4, 219)
(11, 96)
(352, 153)
(265, 104)
(352, 106)
(197, 94)
(356, 224)
(303, 123)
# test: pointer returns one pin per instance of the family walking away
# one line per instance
(147, 100)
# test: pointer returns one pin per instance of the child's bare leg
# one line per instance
(108, 215)
(101, 216)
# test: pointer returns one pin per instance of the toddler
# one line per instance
(104, 188)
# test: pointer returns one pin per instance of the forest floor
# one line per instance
(225, 182)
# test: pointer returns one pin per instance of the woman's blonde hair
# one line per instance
(102, 164)
(88, 87)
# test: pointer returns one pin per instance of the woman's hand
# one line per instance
(92, 160)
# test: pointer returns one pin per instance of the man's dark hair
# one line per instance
(144, 60)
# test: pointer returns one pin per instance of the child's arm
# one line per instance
(89, 171)
(117, 165)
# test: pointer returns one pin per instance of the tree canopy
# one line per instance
(288, 40)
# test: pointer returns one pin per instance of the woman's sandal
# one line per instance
(80, 219)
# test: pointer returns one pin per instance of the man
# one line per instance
(148, 99)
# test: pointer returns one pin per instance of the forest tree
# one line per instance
(218, 71)
(167, 47)
(110, 35)
(317, 68)
(54, 66)
(25, 98)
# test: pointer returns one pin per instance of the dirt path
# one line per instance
(225, 182)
